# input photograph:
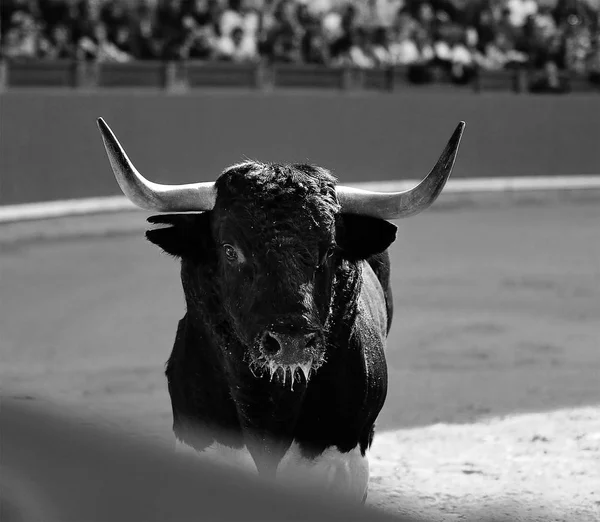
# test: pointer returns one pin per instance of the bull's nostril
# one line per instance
(270, 345)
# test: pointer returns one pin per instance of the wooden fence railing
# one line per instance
(187, 75)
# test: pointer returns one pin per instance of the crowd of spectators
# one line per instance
(457, 35)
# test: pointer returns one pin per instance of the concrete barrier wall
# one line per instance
(50, 147)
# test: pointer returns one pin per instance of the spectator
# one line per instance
(203, 13)
(144, 34)
(240, 15)
(282, 34)
(593, 62)
(485, 25)
(237, 46)
(332, 23)
(578, 45)
(83, 20)
(114, 14)
(305, 18)
(123, 40)
(575, 11)
(360, 52)
(463, 62)
(286, 46)
(12, 11)
(403, 48)
(59, 46)
(172, 32)
(55, 12)
(544, 22)
(412, 47)
(425, 15)
(201, 43)
(14, 45)
(500, 54)
(23, 39)
(314, 48)
(101, 49)
(520, 10)
(348, 19)
(420, 69)
(381, 50)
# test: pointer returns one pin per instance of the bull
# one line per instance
(286, 278)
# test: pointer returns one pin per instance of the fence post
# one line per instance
(260, 76)
(348, 78)
(79, 74)
(477, 80)
(3, 75)
(92, 74)
(170, 81)
(520, 80)
(269, 72)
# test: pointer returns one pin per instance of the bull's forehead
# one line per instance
(284, 227)
(279, 204)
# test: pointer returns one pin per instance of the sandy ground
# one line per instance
(494, 400)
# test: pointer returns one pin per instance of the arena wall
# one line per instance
(50, 147)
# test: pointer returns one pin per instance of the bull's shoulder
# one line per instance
(380, 264)
(372, 307)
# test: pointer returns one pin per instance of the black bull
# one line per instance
(286, 281)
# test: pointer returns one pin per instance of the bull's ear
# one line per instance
(186, 235)
(360, 237)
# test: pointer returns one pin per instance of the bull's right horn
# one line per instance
(149, 195)
(394, 205)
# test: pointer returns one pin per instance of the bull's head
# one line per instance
(265, 251)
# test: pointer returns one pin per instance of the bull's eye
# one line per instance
(328, 253)
(231, 253)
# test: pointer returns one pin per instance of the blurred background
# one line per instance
(441, 40)
(494, 354)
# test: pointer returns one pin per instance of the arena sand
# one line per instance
(494, 357)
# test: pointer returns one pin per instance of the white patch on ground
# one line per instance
(218, 453)
(542, 466)
(345, 474)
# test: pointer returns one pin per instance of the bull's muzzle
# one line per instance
(287, 357)
(287, 347)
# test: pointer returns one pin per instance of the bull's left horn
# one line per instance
(393, 205)
(149, 195)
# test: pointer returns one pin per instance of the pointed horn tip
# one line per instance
(108, 137)
(104, 128)
(102, 125)
(457, 135)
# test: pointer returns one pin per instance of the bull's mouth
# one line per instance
(286, 368)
